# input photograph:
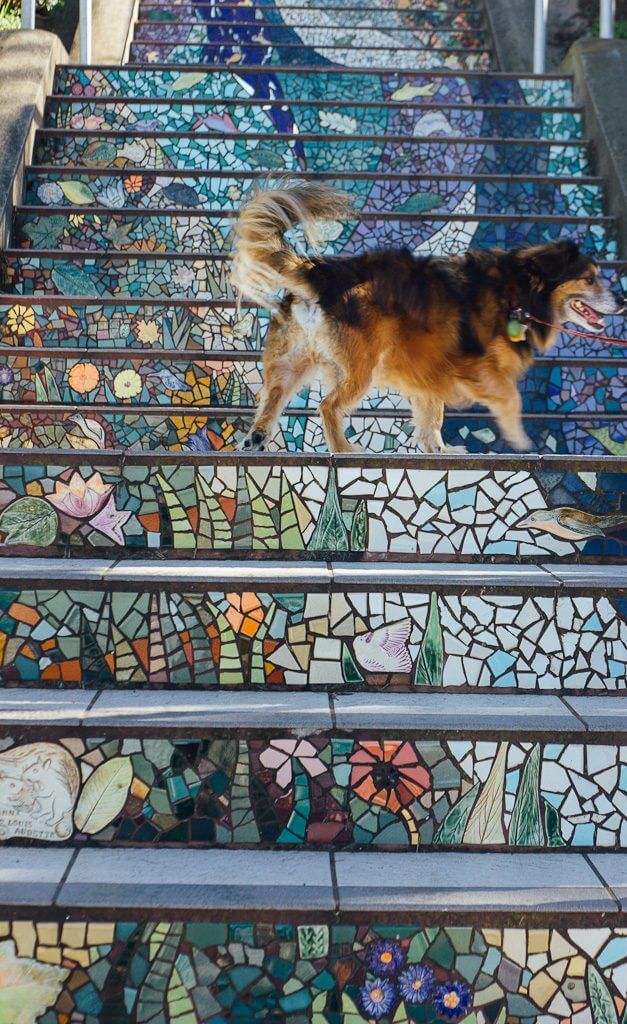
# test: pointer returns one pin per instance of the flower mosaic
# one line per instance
(314, 791)
(235, 384)
(312, 972)
(270, 505)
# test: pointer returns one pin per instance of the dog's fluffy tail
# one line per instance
(263, 262)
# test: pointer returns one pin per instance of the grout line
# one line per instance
(575, 714)
(64, 876)
(605, 884)
(334, 883)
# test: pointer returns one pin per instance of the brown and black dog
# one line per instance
(435, 330)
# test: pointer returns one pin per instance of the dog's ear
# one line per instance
(551, 263)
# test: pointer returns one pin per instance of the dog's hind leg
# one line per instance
(286, 365)
(340, 401)
(428, 417)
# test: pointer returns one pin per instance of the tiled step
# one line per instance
(204, 233)
(438, 86)
(259, 151)
(319, 31)
(175, 326)
(233, 380)
(308, 51)
(347, 118)
(463, 21)
(414, 508)
(317, 770)
(304, 625)
(299, 935)
(113, 187)
(148, 275)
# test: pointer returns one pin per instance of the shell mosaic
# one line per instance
(362, 639)
(202, 971)
(322, 507)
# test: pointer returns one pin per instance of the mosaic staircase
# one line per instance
(292, 737)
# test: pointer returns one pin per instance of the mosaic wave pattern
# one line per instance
(364, 638)
(329, 507)
(206, 969)
(310, 791)
(236, 382)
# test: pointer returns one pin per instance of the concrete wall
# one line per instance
(599, 67)
(27, 63)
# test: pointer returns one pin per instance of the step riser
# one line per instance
(310, 55)
(236, 384)
(272, 154)
(92, 275)
(517, 640)
(203, 328)
(289, 962)
(320, 790)
(193, 233)
(203, 432)
(470, 23)
(166, 191)
(238, 116)
(268, 505)
(319, 84)
(248, 31)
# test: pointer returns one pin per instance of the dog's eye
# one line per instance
(590, 279)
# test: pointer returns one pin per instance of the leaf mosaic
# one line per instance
(203, 971)
(485, 512)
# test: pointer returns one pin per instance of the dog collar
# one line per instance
(516, 325)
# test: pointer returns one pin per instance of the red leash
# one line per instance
(581, 334)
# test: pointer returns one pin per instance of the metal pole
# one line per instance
(541, 10)
(85, 31)
(606, 19)
(28, 13)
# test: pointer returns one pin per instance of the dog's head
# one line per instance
(568, 284)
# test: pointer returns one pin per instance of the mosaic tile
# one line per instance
(215, 327)
(235, 383)
(320, 84)
(292, 505)
(286, 152)
(339, 973)
(160, 190)
(240, 116)
(198, 233)
(356, 639)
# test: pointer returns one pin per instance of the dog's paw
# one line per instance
(453, 449)
(254, 442)
(521, 442)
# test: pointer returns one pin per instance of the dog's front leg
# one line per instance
(506, 404)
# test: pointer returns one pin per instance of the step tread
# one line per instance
(277, 881)
(225, 573)
(186, 712)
